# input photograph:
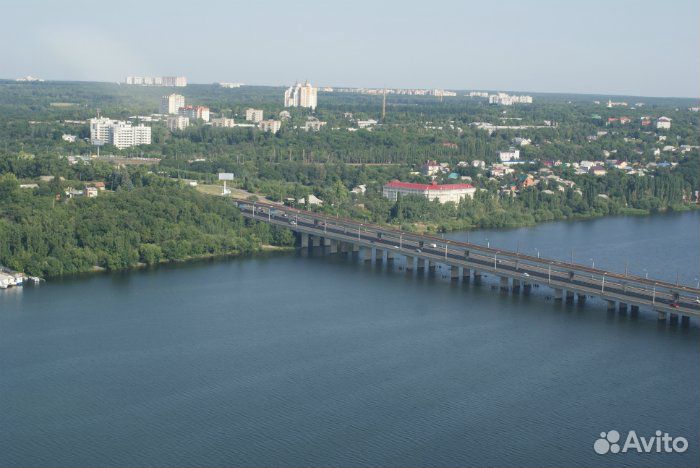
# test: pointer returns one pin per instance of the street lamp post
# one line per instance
(538, 252)
(602, 285)
(549, 274)
(495, 266)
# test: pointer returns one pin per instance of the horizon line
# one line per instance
(578, 93)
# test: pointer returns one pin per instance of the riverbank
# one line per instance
(262, 250)
(458, 225)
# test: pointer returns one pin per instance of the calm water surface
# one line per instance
(286, 360)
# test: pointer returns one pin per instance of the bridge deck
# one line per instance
(629, 289)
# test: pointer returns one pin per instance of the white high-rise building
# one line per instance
(254, 115)
(301, 95)
(171, 104)
(118, 133)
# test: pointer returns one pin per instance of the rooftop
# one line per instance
(433, 186)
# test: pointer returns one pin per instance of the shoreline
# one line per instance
(439, 227)
(96, 269)
(265, 249)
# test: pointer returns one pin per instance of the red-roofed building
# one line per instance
(443, 193)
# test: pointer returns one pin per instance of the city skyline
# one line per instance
(625, 48)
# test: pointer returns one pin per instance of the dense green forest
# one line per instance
(146, 220)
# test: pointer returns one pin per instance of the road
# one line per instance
(613, 286)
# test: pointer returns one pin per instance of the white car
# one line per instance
(433, 246)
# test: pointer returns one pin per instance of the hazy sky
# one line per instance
(639, 47)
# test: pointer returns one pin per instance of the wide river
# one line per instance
(290, 360)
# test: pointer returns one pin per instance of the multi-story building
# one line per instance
(442, 193)
(508, 156)
(118, 133)
(431, 168)
(313, 125)
(178, 122)
(178, 81)
(663, 123)
(270, 125)
(301, 95)
(195, 112)
(222, 122)
(254, 115)
(171, 104)
(508, 100)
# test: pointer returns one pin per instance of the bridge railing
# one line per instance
(456, 247)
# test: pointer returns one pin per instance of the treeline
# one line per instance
(147, 220)
(592, 196)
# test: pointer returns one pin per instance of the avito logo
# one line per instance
(659, 443)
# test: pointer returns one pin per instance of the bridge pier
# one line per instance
(581, 299)
(569, 297)
(622, 307)
(409, 263)
(389, 256)
(454, 273)
(504, 283)
(431, 267)
(634, 311)
(355, 250)
(466, 274)
(333, 246)
(673, 318)
(685, 321)
(303, 240)
(662, 316)
(315, 241)
(516, 286)
(558, 293)
(420, 267)
(367, 254)
(378, 255)
(527, 287)
(611, 306)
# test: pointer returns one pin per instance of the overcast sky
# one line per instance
(635, 47)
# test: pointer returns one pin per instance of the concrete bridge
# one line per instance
(569, 281)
